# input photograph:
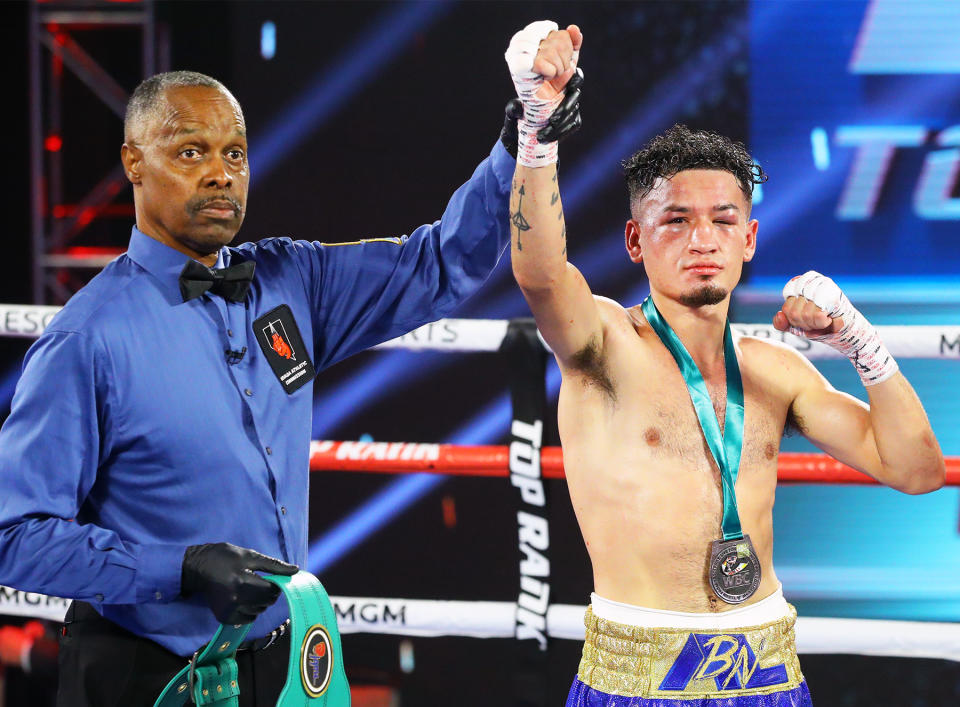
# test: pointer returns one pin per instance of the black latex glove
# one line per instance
(564, 121)
(566, 118)
(226, 577)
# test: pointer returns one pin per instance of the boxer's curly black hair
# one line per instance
(681, 148)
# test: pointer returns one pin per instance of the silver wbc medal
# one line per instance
(734, 569)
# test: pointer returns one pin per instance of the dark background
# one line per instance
(388, 151)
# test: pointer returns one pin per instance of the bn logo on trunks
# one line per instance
(279, 338)
(726, 659)
(316, 661)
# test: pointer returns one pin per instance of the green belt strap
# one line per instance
(315, 674)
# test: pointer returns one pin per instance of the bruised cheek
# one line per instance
(659, 255)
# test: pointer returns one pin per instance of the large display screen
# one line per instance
(855, 113)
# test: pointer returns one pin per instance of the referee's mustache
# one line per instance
(201, 202)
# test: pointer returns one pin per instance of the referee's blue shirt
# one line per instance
(131, 437)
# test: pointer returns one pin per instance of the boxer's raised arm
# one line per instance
(890, 439)
(542, 60)
(558, 295)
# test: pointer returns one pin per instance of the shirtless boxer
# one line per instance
(667, 625)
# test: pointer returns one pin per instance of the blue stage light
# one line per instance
(663, 103)
(820, 144)
(337, 82)
(591, 174)
(372, 515)
(268, 40)
(399, 495)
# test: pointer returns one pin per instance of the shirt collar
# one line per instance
(162, 261)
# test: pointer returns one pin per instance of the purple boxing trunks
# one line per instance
(629, 665)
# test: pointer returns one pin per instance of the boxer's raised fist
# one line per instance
(812, 304)
(814, 307)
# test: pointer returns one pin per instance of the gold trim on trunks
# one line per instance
(689, 663)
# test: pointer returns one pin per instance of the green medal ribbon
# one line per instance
(725, 448)
(315, 674)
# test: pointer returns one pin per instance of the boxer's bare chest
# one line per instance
(643, 410)
(644, 484)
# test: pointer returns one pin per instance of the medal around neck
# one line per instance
(734, 571)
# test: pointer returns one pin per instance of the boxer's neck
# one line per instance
(701, 330)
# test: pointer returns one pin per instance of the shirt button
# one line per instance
(248, 391)
(229, 332)
(158, 596)
(99, 597)
(283, 509)
(269, 450)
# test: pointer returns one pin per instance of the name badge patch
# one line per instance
(280, 339)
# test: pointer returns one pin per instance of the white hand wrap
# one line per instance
(857, 340)
(536, 111)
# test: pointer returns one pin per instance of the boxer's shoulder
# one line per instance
(629, 342)
(762, 347)
(611, 311)
(600, 362)
(591, 360)
(773, 364)
(764, 350)
(624, 327)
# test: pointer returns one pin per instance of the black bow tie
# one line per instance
(230, 283)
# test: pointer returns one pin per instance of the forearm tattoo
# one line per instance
(518, 220)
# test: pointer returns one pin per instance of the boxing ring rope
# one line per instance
(479, 335)
(486, 335)
(496, 619)
(484, 619)
(493, 461)
(492, 619)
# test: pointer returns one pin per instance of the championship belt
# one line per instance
(315, 674)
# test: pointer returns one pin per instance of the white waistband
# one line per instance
(772, 608)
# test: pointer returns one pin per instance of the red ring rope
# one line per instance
(457, 460)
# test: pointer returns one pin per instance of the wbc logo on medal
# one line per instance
(733, 564)
(734, 569)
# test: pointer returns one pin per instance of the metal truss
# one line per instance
(61, 264)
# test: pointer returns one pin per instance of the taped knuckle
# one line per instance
(790, 289)
(816, 288)
(525, 44)
(795, 285)
(824, 293)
